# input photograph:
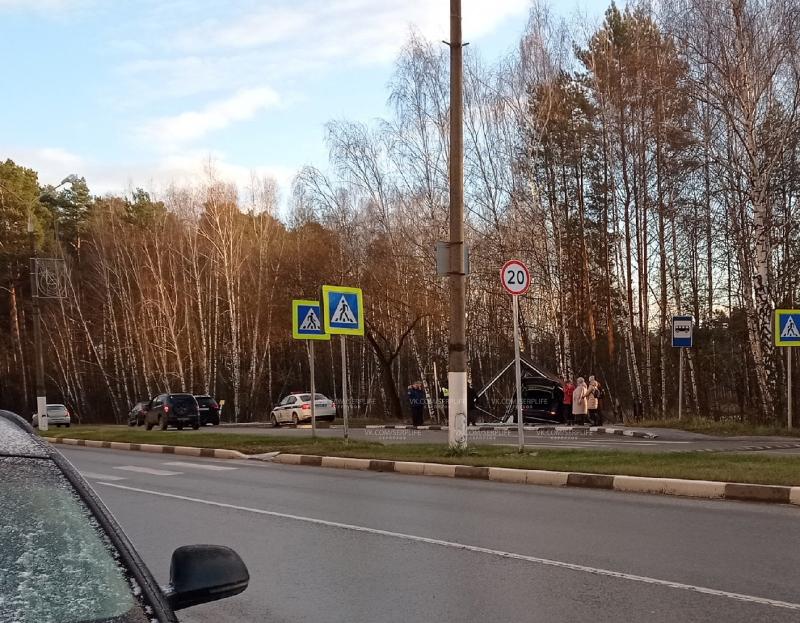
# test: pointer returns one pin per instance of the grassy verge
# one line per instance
(750, 468)
(721, 427)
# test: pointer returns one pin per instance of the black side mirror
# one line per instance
(202, 573)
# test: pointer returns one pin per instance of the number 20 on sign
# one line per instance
(515, 277)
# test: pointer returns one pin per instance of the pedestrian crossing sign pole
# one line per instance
(343, 314)
(787, 333)
(307, 325)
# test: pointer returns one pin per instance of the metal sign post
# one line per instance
(787, 333)
(343, 315)
(516, 280)
(307, 325)
(682, 337)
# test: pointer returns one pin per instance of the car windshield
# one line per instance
(205, 401)
(55, 562)
(307, 397)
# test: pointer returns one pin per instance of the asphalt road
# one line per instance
(334, 545)
(668, 440)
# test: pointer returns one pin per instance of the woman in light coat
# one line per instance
(593, 402)
(579, 409)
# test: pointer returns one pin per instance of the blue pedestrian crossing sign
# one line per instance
(787, 327)
(307, 321)
(682, 331)
(343, 310)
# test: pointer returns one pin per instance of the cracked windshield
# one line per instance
(399, 311)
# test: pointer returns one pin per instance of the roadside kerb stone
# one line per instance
(187, 451)
(757, 493)
(378, 465)
(411, 468)
(590, 481)
(344, 462)
(470, 471)
(545, 477)
(505, 474)
(217, 453)
(439, 469)
(794, 496)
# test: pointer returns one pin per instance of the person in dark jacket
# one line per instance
(416, 399)
(472, 404)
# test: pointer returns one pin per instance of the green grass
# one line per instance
(729, 467)
(727, 428)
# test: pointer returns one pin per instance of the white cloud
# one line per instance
(191, 125)
(290, 39)
(183, 168)
(43, 6)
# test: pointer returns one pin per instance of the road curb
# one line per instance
(706, 489)
(601, 430)
(215, 453)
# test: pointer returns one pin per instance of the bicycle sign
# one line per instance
(515, 277)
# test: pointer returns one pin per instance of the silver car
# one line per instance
(296, 408)
(57, 415)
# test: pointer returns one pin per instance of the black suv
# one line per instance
(58, 533)
(176, 410)
(209, 410)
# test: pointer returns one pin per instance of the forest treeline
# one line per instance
(645, 169)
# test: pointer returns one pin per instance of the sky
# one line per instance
(145, 93)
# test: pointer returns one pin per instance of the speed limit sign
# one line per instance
(515, 277)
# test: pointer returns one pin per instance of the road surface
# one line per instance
(338, 545)
(668, 440)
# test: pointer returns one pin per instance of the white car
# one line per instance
(57, 415)
(296, 408)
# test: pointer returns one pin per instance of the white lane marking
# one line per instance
(479, 550)
(147, 470)
(216, 468)
(93, 476)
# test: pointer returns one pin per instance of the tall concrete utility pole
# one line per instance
(457, 368)
(41, 397)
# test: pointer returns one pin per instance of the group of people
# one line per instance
(582, 403)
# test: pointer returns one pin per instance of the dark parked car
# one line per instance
(65, 558)
(209, 410)
(136, 415)
(176, 410)
(541, 401)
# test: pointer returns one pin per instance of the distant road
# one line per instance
(668, 440)
(337, 545)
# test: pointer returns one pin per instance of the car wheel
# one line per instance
(274, 420)
(196, 426)
(131, 422)
(148, 425)
(180, 426)
(162, 422)
(67, 425)
(295, 419)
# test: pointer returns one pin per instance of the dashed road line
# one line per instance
(210, 467)
(147, 470)
(94, 476)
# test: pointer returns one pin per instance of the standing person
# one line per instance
(472, 404)
(579, 401)
(592, 400)
(566, 401)
(416, 398)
